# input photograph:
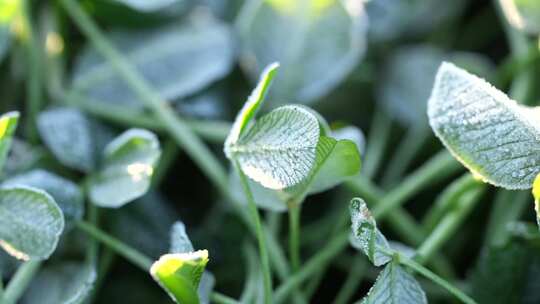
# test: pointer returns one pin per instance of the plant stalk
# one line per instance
(294, 236)
(20, 281)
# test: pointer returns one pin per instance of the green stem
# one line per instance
(20, 281)
(378, 138)
(261, 237)
(132, 255)
(354, 278)
(312, 266)
(436, 279)
(294, 236)
(222, 299)
(168, 156)
(449, 224)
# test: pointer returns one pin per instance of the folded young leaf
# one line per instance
(395, 285)
(180, 274)
(67, 194)
(177, 60)
(30, 223)
(279, 150)
(180, 242)
(69, 134)
(491, 135)
(63, 283)
(8, 124)
(317, 42)
(366, 236)
(127, 169)
(523, 14)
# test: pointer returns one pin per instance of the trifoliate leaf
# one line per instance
(366, 236)
(8, 124)
(487, 132)
(177, 60)
(30, 223)
(68, 133)
(395, 285)
(64, 283)
(180, 242)
(180, 274)
(523, 14)
(128, 167)
(67, 195)
(252, 105)
(318, 43)
(279, 150)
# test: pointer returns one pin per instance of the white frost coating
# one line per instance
(30, 223)
(365, 234)
(395, 285)
(180, 242)
(279, 150)
(489, 133)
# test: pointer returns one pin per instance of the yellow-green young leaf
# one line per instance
(127, 169)
(8, 124)
(180, 274)
(252, 105)
(279, 150)
(63, 283)
(536, 194)
(366, 236)
(318, 43)
(30, 223)
(395, 285)
(523, 14)
(490, 134)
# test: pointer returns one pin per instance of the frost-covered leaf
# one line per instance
(523, 14)
(30, 223)
(391, 19)
(177, 60)
(354, 134)
(404, 96)
(69, 134)
(146, 6)
(318, 43)
(64, 283)
(22, 157)
(493, 136)
(67, 195)
(8, 124)
(180, 242)
(152, 237)
(265, 198)
(366, 236)
(180, 274)
(252, 105)
(279, 150)
(128, 167)
(395, 285)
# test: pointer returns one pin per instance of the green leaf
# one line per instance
(366, 236)
(318, 43)
(151, 6)
(265, 198)
(8, 124)
(68, 133)
(180, 274)
(30, 223)
(252, 105)
(176, 60)
(63, 283)
(354, 134)
(523, 14)
(280, 149)
(67, 195)
(128, 167)
(180, 242)
(395, 285)
(487, 132)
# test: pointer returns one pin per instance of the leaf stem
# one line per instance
(222, 299)
(20, 281)
(378, 138)
(261, 237)
(294, 235)
(436, 279)
(354, 278)
(317, 262)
